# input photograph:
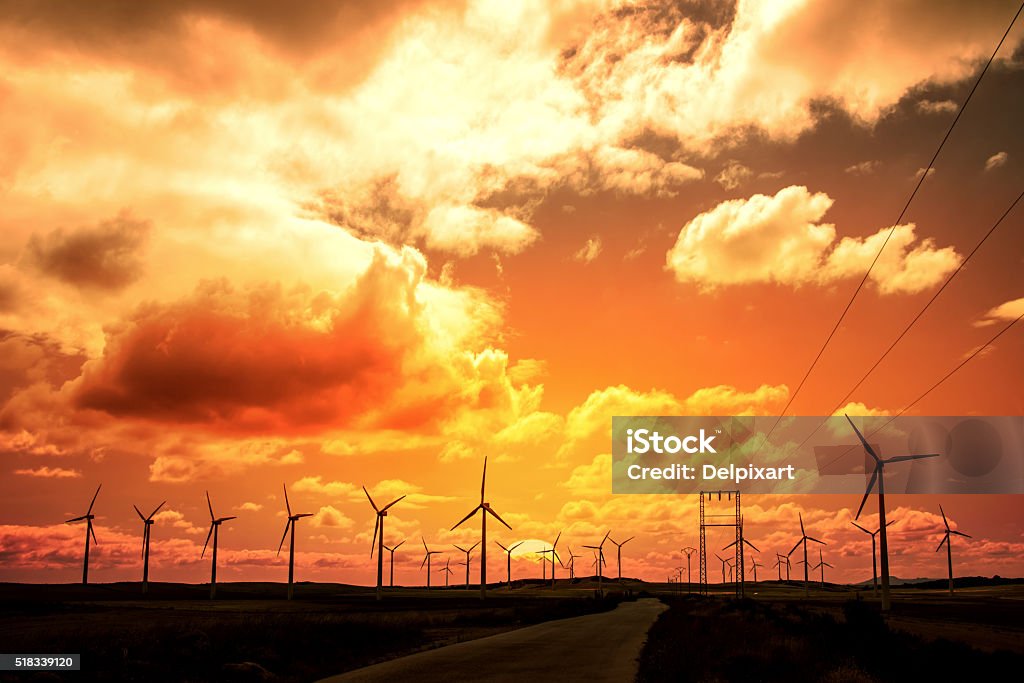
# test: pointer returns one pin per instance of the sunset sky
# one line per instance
(336, 244)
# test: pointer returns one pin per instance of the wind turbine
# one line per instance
(215, 523)
(949, 546)
(88, 517)
(879, 475)
(618, 550)
(781, 560)
(508, 566)
(147, 522)
(754, 564)
(803, 539)
(572, 563)
(688, 550)
(471, 548)
(601, 562)
(874, 554)
(426, 558)
(391, 581)
(729, 564)
(554, 556)
(723, 566)
(378, 536)
(743, 541)
(822, 564)
(485, 509)
(289, 526)
(447, 570)
(598, 558)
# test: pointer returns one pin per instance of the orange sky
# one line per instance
(333, 246)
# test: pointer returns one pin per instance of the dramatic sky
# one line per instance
(335, 244)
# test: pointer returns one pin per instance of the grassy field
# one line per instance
(249, 634)
(777, 634)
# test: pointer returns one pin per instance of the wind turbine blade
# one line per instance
(516, 545)
(483, 481)
(867, 492)
(802, 532)
(751, 545)
(867, 446)
(459, 547)
(391, 503)
(370, 499)
(284, 536)
(75, 519)
(209, 504)
(287, 504)
(145, 540)
(495, 515)
(376, 526)
(606, 537)
(208, 535)
(227, 519)
(424, 560)
(303, 514)
(472, 547)
(960, 533)
(93, 532)
(153, 513)
(478, 507)
(557, 539)
(794, 547)
(810, 538)
(729, 546)
(904, 458)
(93, 502)
(139, 512)
(628, 540)
(400, 543)
(719, 559)
(425, 544)
(944, 520)
(861, 528)
(501, 546)
(945, 540)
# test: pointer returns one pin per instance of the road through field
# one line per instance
(595, 647)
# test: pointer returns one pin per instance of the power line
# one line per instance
(930, 389)
(892, 229)
(914, 320)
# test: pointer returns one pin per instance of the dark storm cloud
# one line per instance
(105, 256)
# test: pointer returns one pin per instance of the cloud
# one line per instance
(105, 256)
(1007, 311)
(781, 239)
(733, 175)
(855, 408)
(249, 507)
(465, 230)
(589, 251)
(50, 473)
(937, 106)
(862, 168)
(330, 517)
(176, 520)
(995, 161)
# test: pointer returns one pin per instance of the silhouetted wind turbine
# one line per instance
(88, 517)
(215, 523)
(949, 545)
(467, 551)
(572, 563)
(879, 475)
(688, 550)
(822, 564)
(754, 564)
(723, 566)
(803, 539)
(378, 536)
(618, 550)
(447, 570)
(554, 556)
(508, 566)
(485, 509)
(289, 526)
(147, 522)
(779, 562)
(600, 554)
(426, 558)
(874, 554)
(391, 581)
(743, 541)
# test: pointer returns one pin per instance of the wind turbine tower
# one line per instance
(88, 517)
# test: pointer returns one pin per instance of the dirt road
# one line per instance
(596, 647)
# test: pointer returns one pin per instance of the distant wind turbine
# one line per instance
(600, 555)
(689, 551)
(485, 509)
(572, 563)
(803, 539)
(724, 564)
(147, 522)
(391, 581)
(290, 526)
(754, 564)
(215, 523)
(378, 536)
(88, 517)
(467, 551)
(618, 551)
(949, 545)
(874, 554)
(822, 564)
(426, 558)
(508, 566)
(447, 570)
(554, 556)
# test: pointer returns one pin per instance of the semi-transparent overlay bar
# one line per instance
(40, 662)
(806, 454)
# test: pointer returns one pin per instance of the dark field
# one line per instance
(248, 634)
(835, 638)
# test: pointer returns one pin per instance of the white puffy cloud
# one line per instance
(1010, 310)
(590, 250)
(782, 239)
(996, 160)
